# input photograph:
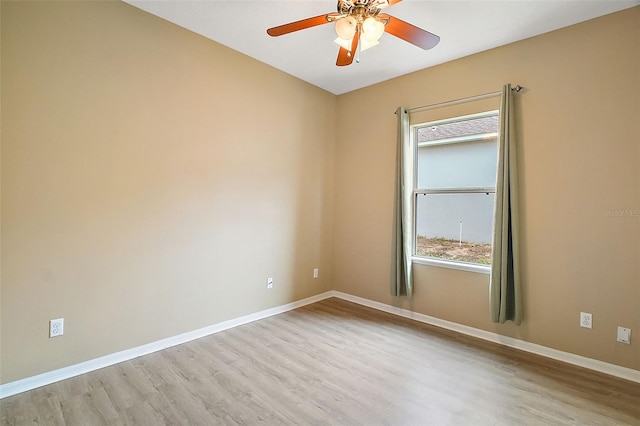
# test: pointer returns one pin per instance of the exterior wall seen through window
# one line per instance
(455, 182)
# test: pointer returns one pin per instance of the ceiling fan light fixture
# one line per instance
(359, 26)
(345, 44)
(346, 27)
(365, 44)
(372, 29)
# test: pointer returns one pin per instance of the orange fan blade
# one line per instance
(392, 2)
(345, 57)
(298, 25)
(411, 33)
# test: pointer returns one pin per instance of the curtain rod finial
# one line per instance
(517, 89)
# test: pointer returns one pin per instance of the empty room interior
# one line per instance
(220, 236)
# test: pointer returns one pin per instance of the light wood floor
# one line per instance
(335, 363)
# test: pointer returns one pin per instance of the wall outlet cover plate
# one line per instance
(624, 335)
(56, 327)
(586, 320)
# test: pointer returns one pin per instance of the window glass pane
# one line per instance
(458, 165)
(455, 226)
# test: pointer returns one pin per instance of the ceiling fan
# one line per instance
(359, 26)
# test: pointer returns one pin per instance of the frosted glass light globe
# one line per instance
(372, 29)
(346, 27)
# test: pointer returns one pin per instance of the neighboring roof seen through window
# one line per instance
(476, 126)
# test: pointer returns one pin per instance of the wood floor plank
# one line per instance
(92, 407)
(333, 363)
(144, 414)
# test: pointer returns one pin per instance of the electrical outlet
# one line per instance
(315, 273)
(624, 335)
(269, 282)
(586, 320)
(56, 327)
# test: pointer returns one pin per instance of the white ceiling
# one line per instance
(465, 27)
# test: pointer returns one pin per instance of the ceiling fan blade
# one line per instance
(345, 57)
(298, 25)
(411, 33)
(392, 2)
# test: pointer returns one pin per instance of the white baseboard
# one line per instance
(23, 385)
(29, 383)
(581, 361)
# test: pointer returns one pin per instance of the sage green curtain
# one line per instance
(401, 277)
(504, 289)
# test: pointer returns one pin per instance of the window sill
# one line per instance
(461, 266)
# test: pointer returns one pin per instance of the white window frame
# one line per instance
(432, 261)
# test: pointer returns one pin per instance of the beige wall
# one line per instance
(579, 136)
(151, 181)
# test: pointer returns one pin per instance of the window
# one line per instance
(454, 190)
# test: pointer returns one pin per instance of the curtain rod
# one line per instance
(462, 100)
